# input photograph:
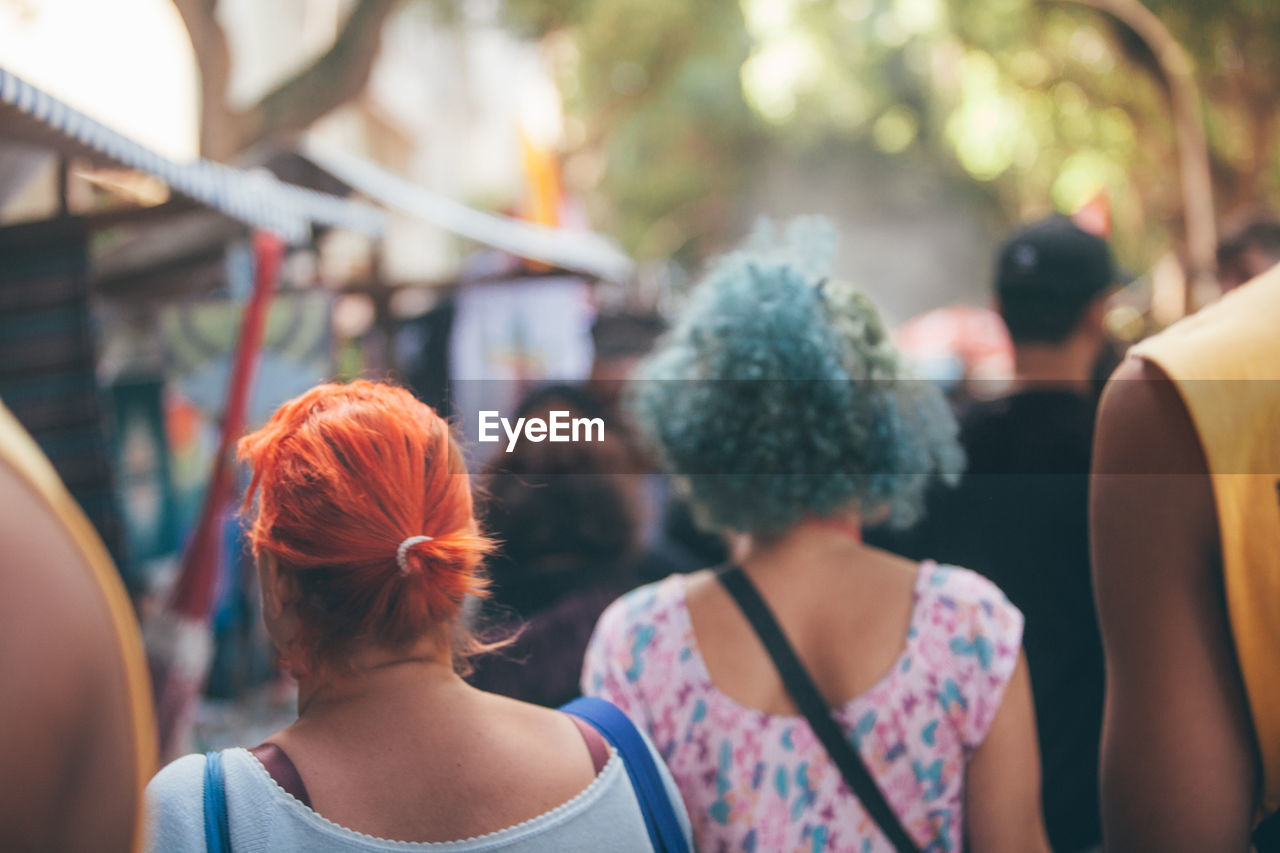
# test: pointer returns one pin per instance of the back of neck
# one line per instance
(1065, 366)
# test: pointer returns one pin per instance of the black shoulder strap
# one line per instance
(810, 702)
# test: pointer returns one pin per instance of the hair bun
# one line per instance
(439, 571)
(402, 553)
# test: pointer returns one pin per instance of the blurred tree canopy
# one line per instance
(1234, 47)
(1045, 102)
(657, 124)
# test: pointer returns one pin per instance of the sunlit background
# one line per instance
(619, 144)
(677, 123)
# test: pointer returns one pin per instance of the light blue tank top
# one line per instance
(263, 817)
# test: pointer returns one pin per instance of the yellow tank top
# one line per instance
(1225, 362)
(20, 452)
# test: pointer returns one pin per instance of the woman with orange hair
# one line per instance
(366, 545)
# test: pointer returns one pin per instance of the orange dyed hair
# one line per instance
(343, 474)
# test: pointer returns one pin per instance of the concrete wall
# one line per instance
(912, 236)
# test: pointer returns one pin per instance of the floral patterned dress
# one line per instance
(760, 782)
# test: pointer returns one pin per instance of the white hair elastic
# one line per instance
(402, 553)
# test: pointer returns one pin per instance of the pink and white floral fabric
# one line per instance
(759, 782)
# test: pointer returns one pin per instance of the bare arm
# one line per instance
(67, 764)
(1179, 768)
(1002, 783)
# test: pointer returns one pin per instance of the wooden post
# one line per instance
(64, 181)
(1193, 150)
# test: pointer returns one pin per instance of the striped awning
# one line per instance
(257, 198)
(583, 252)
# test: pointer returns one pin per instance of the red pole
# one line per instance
(193, 594)
(185, 644)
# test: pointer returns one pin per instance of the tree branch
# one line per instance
(213, 58)
(335, 78)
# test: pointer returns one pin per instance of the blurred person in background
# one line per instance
(565, 517)
(1020, 513)
(77, 728)
(1248, 253)
(1185, 519)
(619, 341)
(782, 405)
(965, 350)
(672, 540)
(366, 546)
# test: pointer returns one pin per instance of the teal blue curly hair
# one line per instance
(777, 396)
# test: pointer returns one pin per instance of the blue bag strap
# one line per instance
(659, 815)
(217, 832)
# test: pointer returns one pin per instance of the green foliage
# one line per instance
(1046, 102)
(1233, 44)
(652, 90)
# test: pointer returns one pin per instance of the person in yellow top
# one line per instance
(77, 731)
(1186, 550)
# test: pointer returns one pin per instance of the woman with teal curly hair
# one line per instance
(780, 404)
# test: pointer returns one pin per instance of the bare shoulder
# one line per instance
(525, 716)
(698, 584)
(1143, 425)
(542, 736)
(1150, 486)
(901, 569)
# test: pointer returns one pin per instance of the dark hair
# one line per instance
(1047, 275)
(562, 512)
(1042, 318)
(1260, 234)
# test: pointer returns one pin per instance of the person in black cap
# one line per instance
(1020, 514)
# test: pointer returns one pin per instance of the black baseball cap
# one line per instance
(1056, 259)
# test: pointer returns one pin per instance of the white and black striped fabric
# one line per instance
(256, 198)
